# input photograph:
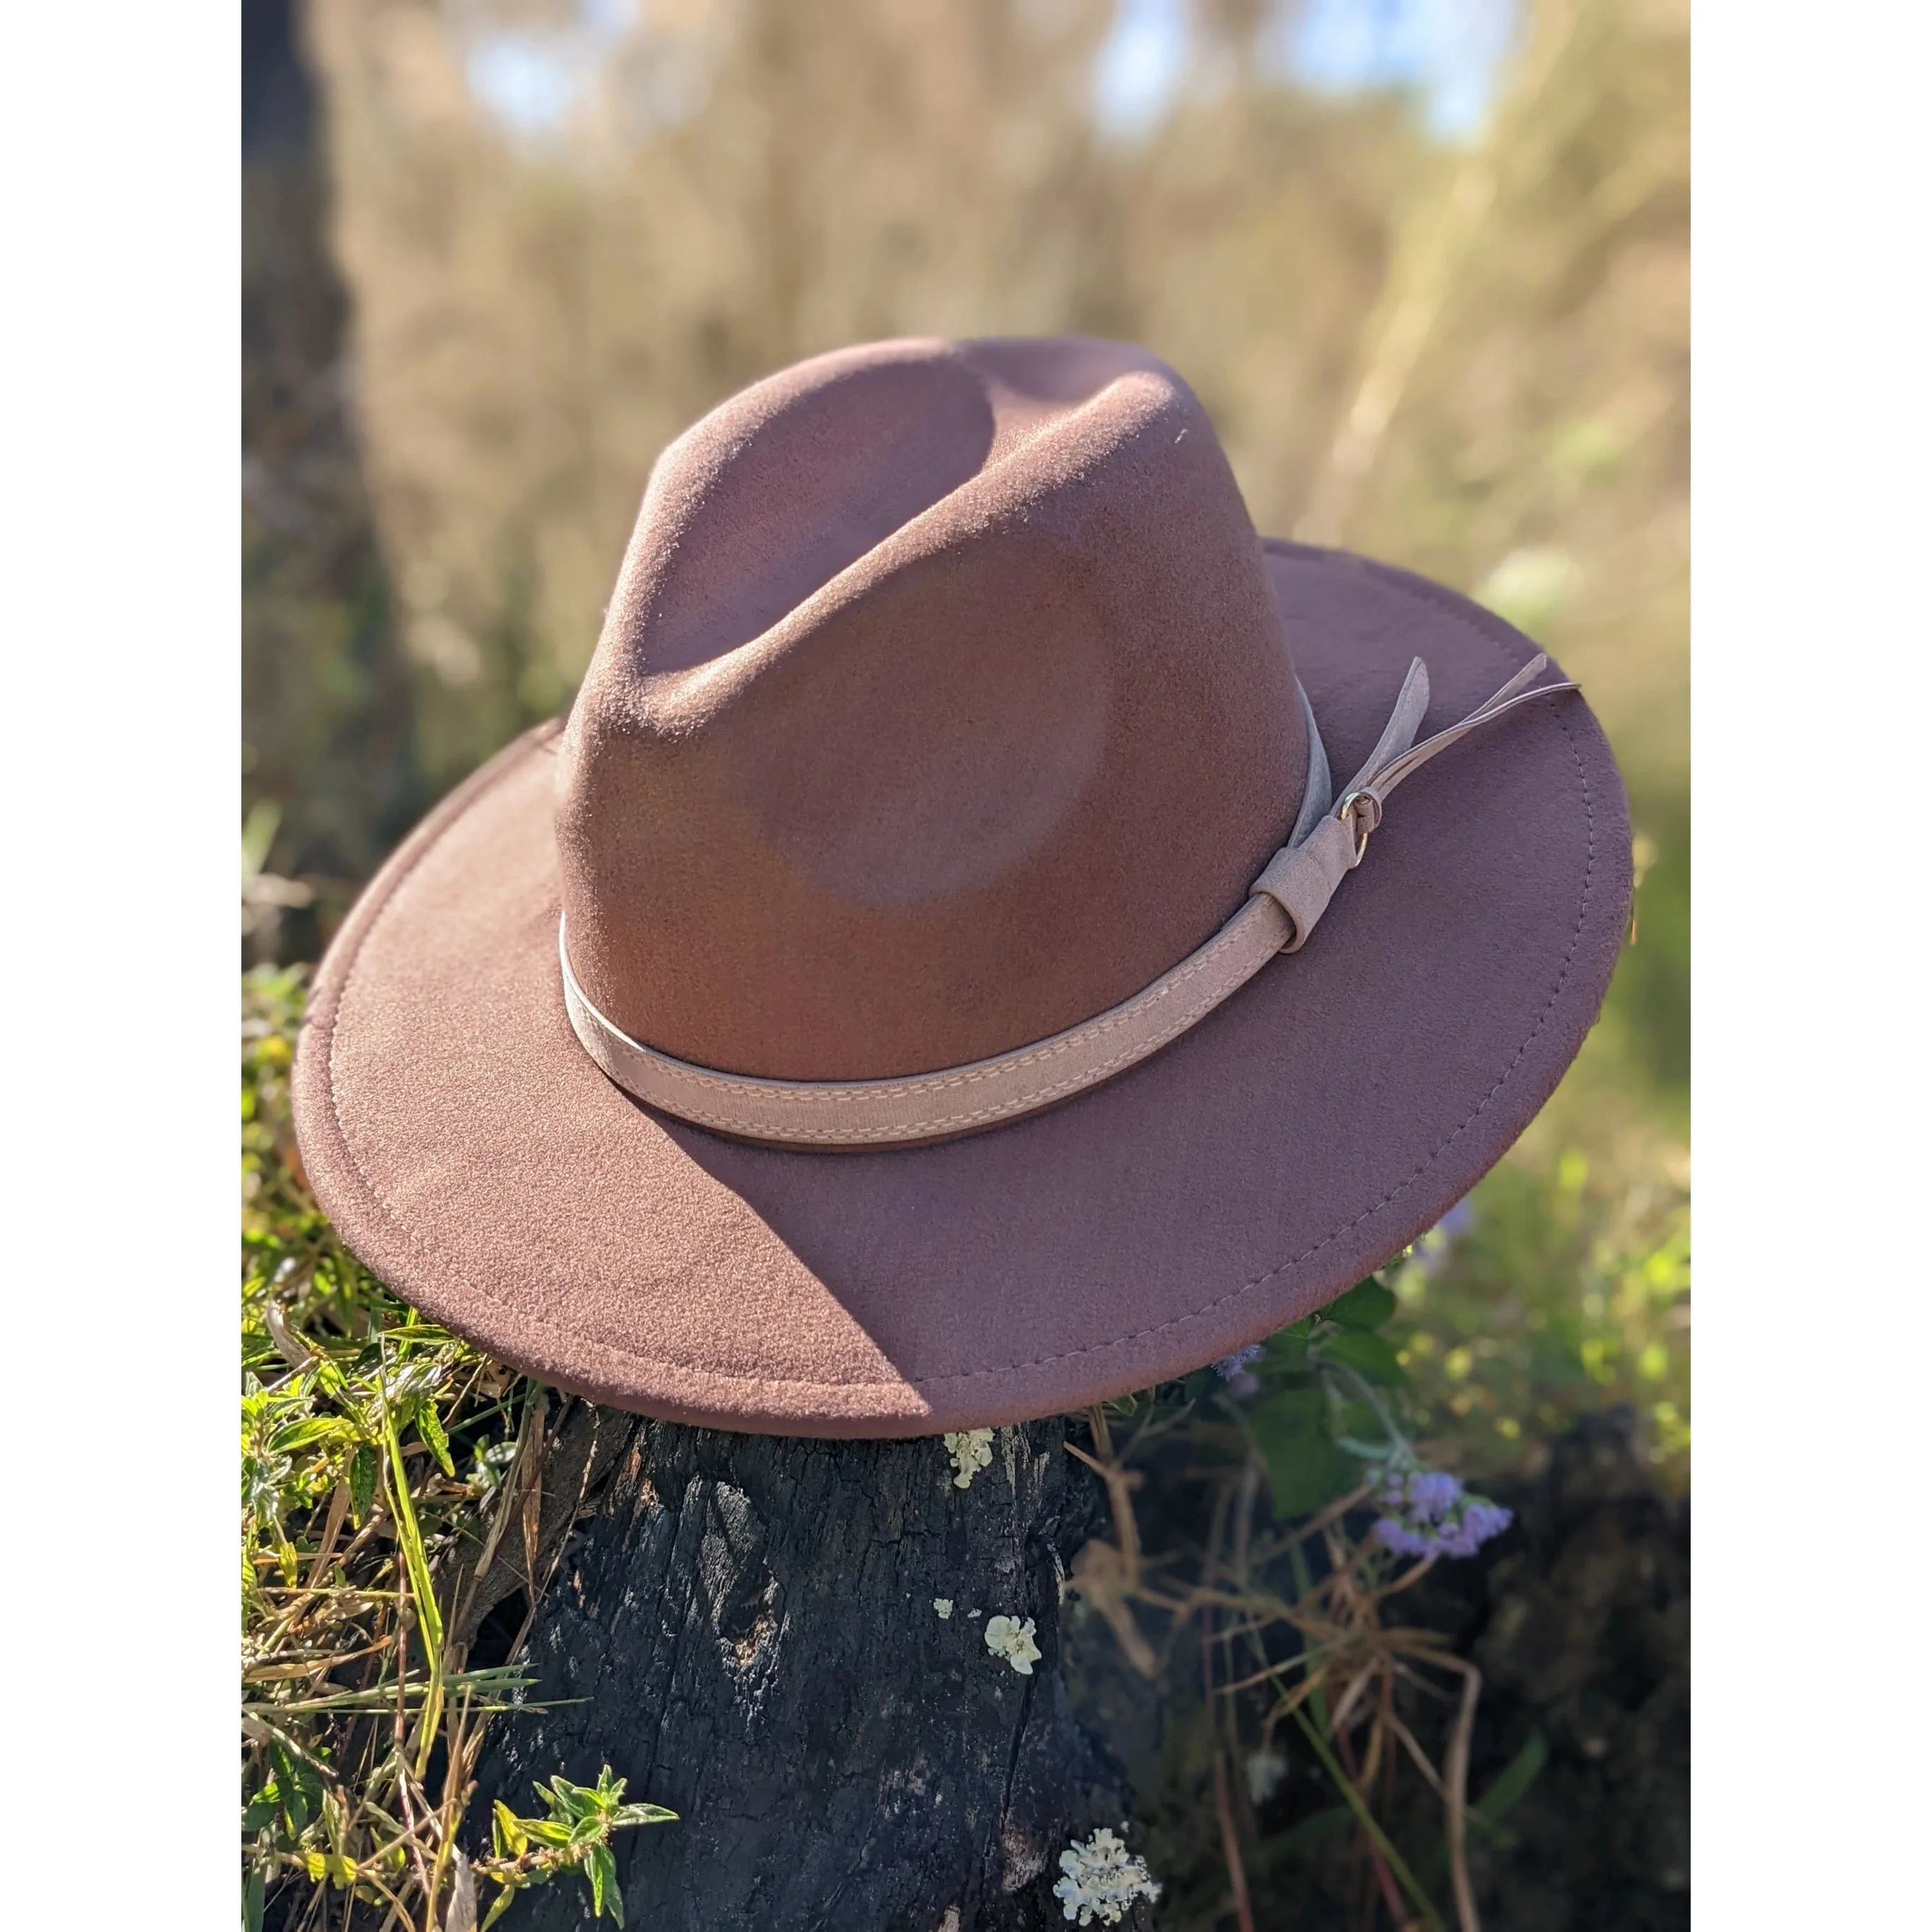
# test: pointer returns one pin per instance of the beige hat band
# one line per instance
(1284, 904)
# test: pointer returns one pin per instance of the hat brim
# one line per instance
(469, 1151)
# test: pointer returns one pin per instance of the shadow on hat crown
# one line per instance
(943, 703)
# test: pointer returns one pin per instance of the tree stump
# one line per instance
(745, 1632)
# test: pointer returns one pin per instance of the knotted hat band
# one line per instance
(1282, 908)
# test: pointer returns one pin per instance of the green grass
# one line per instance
(1567, 1290)
(382, 1461)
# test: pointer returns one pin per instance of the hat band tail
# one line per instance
(1283, 906)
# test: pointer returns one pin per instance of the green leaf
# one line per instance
(603, 1870)
(1515, 1778)
(296, 1787)
(363, 1469)
(577, 1802)
(1287, 1348)
(300, 1434)
(512, 1841)
(500, 1904)
(254, 1899)
(1359, 1430)
(1304, 1477)
(1367, 1305)
(1305, 1468)
(1488, 1811)
(642, 1814)
(1300, 1411)
(1367, 1353)
(429, 1426)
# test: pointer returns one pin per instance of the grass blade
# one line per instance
(415, 1559)
(1366, 1819)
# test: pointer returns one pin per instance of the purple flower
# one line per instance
(1431, 1514)
(1405, 1542)
(1233, 1369)
(1431, 1495)
(1432, 1250)
(1480, 1521)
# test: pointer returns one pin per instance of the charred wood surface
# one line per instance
(746, 1631)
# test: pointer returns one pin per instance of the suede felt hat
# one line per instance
(894, 1001)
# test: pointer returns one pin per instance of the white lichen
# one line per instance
(971, 1450)
(1010, 1638)
(943, 1605)
(1101, 1879)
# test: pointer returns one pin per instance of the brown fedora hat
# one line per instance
(893, 1001)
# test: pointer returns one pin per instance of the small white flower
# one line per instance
(943, 1605)
(1102, 1878)
(971, 1450)
(1010, 1638)
(1266, 1770)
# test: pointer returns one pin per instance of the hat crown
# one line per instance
(943, 704)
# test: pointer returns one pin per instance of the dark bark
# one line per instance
(747, 1625)
(488, 1607)
(327, 697)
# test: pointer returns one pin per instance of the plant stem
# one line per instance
(1230, 1842)
(1297, 1562)
(1378, 1836)
(1384, 1878)
(1397, 1440)
(1456, 1776)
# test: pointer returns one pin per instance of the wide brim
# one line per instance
(469, 1151)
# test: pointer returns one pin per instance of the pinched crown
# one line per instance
(942, 703)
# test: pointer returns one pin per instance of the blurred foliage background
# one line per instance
(1425, 261)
